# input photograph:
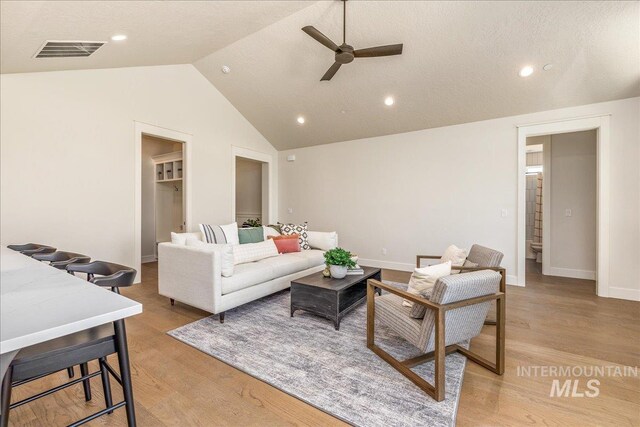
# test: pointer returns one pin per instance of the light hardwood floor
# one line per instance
(553, 321)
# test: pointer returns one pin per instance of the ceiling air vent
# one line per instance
(67, 49)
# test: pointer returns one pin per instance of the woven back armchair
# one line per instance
(455, 313)
(486, 258)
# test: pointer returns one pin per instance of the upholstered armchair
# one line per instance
(455, 313)
(485, 258)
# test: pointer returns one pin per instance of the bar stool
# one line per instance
(45, 358)
(61, 259)
(114, 276)
(32, 248)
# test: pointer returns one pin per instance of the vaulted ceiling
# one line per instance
(460, 61)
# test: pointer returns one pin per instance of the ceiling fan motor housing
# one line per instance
(345, 54)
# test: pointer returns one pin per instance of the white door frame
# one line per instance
(601, 124)
(172, 135)
(267, 159)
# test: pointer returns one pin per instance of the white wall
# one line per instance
(248, 189)
(418, 192)
(67, 152)
(573, 186)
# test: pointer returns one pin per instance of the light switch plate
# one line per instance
(504, 213)
(567, 212)
(290, 210)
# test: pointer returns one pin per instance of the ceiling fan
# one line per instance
(345, 53)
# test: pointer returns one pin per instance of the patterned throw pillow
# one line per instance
(301, 230)
(220, 233)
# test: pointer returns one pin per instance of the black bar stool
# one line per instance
(114, 276)
(51, 356)
(61, 259)
(32, 248)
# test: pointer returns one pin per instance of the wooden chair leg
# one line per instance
(500, 334)
(371, 315)
(439, 374)
(173, 302)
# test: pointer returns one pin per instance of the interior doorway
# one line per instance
(561, 204)
(556, 197)
(252, 189)
(162, 193)
(169, 172)
(249, 209)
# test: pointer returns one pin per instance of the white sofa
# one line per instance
(193, 276)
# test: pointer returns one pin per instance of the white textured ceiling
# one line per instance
(460, 64)
(460, 59)
(160, 32)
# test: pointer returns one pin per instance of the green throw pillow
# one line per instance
(250, 235)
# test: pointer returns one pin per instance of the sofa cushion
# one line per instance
(226, 254)
(323, 240)
(285, 264)
(246, 275)
(314, 257)
(181, 238)
(250, 252)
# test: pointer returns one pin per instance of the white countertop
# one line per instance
(40, 303)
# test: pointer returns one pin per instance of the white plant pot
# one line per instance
(338, 271)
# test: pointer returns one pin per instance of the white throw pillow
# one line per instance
(226, 254)
(220, 233)
(269, 231)
(322, 240)
(456, 255)
(181, 238)
(250, 252)
(424, 279)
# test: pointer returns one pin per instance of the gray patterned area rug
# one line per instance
(334, 371)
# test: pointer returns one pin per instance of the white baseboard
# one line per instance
(624, 293)
(513, 281)
(569, 272)
(148, 258)
(402, 266)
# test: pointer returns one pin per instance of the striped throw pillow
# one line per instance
(220, 234)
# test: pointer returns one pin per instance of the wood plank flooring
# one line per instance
(553, 321)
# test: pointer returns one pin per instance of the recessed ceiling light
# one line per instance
(118, 37)
(526, 71)
(547, 67)
(300, 120)
(226, 69)
(388, 101)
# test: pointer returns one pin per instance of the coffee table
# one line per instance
(328, 297)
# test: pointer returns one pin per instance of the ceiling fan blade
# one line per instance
(392, 49)
(331, 71)
(320, 37)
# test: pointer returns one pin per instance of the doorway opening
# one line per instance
(162, 193)
(252, 176)
(574, 204)
(561, 205)
(166, 185)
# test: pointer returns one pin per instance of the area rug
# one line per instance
(334, 371)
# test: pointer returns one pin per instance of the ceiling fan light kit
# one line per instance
(345, 53)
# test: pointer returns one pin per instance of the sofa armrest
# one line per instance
(323, 240)
(190, 275)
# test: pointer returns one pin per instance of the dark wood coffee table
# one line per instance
(328, 297)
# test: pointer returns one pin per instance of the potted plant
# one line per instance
(338, 261)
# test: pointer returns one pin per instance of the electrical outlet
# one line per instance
(384, 251)
(290, 210)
